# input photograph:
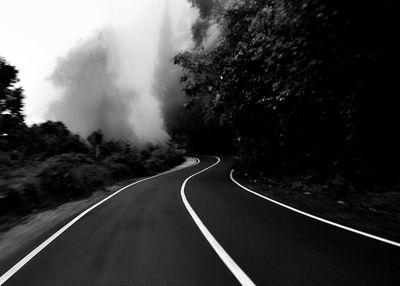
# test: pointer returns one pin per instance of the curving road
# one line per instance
(207, 232)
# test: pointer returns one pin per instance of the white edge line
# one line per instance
(239, 274)
(7, 275)
(316, 217)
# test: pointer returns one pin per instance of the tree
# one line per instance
(305, 84)
(51, 138)
(11, 98)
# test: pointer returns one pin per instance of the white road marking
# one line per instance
(240, 275)
(7, 275)
(316, 217)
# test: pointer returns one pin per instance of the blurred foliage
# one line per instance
(123, 159)
(42, 181)
(40, 141)
(10, 98)
(52, 138)
(63, 177)
(163, 158)
(304, 85)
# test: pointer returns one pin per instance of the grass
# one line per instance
(375, 210)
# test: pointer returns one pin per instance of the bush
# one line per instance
(5, 161)
(56, 175)
(53, 138)
(163, 158)
(125, 162)
(118, 169)
(38, 184)
(20, 194)
(89, 177)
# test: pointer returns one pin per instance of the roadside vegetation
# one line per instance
(306, 89)
(44, 165)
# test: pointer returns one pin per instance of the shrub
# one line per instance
(38, 184)
(20, 194)
(56, 175)
(125, 161)
(163, 158)
(89, 177)
(53, 138)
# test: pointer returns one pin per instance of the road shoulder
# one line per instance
(315, 202)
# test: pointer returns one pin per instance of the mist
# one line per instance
(121, 79)
(166, 85)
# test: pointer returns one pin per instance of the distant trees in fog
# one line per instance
(46, 164)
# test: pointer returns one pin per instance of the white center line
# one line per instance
(240, 275)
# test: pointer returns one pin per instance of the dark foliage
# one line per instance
(53, 138)
(305, 85)
(41, 141)
(11, 98)
(65, 176)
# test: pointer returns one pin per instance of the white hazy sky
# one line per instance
(34, 34)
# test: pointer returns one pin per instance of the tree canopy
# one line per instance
(11, 98)
(303, 84)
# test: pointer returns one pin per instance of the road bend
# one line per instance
(145, 235)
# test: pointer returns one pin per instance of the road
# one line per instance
(145, 235)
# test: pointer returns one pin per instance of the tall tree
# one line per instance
(11, 98)
(305, 84)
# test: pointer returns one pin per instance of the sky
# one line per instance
(37, 35)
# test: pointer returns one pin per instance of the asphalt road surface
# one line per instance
(145, 235)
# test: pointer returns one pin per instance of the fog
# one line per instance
(165, 82)
(121, 78)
